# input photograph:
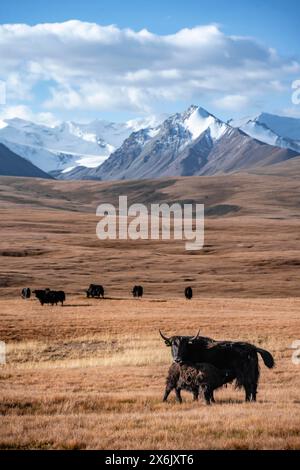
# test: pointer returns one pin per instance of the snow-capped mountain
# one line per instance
(194, 142)
(191, 143)
(140, 153)
(12, 164)
(275, 130)
(68, 145)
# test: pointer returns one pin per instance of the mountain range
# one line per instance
(68, 145)
(194, 142)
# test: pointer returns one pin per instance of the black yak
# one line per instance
(51, 297)
(26, 293)
(240, 357)
(196, 378)
(137, 291)
(95, 290)
(188, 292)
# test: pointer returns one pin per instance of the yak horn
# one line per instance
(164, 337)
(195, 337)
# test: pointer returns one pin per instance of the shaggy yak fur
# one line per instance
(48, 296)
(237, 356)
(196, 378)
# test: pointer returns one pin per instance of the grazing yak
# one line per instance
(188, 292)
(26, 293)
(240, 357)
(95, 290)
(196, 378)
(137, 291)
(51, 297)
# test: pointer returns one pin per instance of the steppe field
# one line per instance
(91, 374)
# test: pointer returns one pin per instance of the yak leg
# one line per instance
(254, 392)
(167, 393)
(248, 394)
(196, 394)
(178, 395)
(207, 392)
(250, 376)
(255, 379)
(207, 398)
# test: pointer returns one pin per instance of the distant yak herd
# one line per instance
(53, 297)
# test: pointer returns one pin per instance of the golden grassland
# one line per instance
(48, 238)
(91, 374)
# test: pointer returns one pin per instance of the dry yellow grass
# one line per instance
(92, 374)
(95, 376)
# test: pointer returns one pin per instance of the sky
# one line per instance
(116, 60)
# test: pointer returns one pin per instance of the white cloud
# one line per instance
(88, 66)
(24, 112)
(293, 112)
(232, 102)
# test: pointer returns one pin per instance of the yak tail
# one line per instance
(266, 357)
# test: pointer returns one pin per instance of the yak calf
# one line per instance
(196, 378)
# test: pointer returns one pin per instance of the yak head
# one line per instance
(179, 345)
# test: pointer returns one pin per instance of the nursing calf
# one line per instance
(196, 378)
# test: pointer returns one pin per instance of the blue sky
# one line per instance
(274, 21)
(116, 82)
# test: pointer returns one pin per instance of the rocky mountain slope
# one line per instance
(187, 144)
(12, 164)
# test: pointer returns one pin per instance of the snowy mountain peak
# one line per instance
(199, 121)
(271, 129)
(195, 121)
(286, 127)
(17, 122)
